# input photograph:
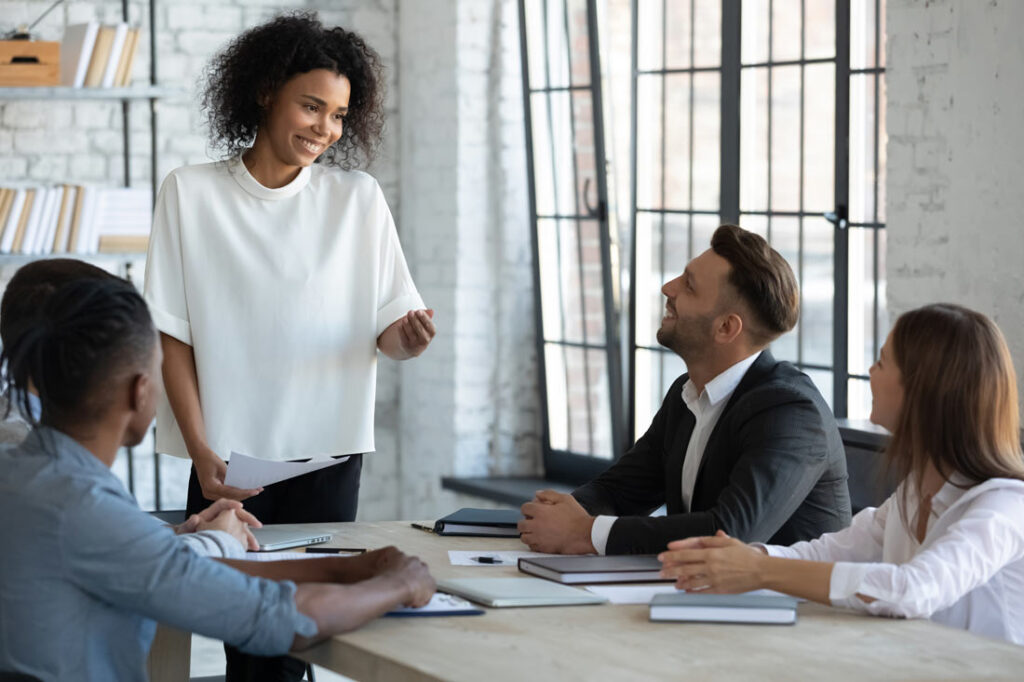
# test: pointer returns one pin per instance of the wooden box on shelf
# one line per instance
(25, 63)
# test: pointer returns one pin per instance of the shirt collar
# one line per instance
(253, 186)
(723, 385)
(44, 439)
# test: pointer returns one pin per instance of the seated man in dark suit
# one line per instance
(742, 442)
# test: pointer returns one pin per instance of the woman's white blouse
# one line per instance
(282, 294)
(968, 573)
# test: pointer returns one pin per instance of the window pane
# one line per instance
(703, 227)
(824, 381)
(649, 141)
(817, 288)
(579, 419)
(557, 44)
(786, 30)
(883, 322)
(819, 138)
(651, 37)
(707, 91)
(785, 238)
(678, 31)
(707, 48)
(677, 154)
(863, 33)
(754, 30)
(861, 326)
(785, 138)
(572, 303)
(858, 396)
(655, 372)
(563, 149)
(883, 141)
(819, 29)
(754, 139)
(662, 247)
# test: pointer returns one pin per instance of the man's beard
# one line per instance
(689, 338)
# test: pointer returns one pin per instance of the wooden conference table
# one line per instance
(617, 642)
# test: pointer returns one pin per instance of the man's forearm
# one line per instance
(318, 570)
(337, 609)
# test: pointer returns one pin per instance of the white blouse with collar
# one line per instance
(968, 573)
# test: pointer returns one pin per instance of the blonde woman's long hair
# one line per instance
(960, 398)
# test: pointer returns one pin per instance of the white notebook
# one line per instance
(724, 608)
(503, 592)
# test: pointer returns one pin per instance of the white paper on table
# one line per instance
(439, 604)
(249, 472)
(510, 558)
(642, 594)
(631, 594)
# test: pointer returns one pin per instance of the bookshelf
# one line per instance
(150, 92)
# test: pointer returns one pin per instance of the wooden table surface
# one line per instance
(618, 642)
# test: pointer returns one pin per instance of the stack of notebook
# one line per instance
(480, 523)
(591, 570)
(724, 608)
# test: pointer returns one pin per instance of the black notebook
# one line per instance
(480, 523)
(724, 608)
(595, 569)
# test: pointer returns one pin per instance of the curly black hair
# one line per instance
(258, 62)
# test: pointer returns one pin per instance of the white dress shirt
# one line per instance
(707, 407)
(968, 573)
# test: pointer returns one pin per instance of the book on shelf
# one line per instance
(37, 220)
(6, 199)
(99, 56)
(10, 226)
(76, 52)
(595, 569)
(114, 60)
(724, 608)
(60, 237)
(124, 68)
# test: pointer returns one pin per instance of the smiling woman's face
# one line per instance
(305, 117)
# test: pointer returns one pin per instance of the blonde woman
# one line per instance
(949, 543)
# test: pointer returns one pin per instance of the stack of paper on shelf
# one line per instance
(97, 56)
(45, 219)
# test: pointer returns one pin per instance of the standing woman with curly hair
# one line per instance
(275, 275)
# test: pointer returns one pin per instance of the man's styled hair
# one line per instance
(32, 285)
(762, 279)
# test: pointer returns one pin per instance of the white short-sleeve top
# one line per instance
(282, 294)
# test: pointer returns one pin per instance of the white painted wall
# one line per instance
(956, 158)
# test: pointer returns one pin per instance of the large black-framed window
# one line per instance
(578, 346)
(768, 113)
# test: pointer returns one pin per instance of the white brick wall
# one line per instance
(468, 407)
(453, 169)
(956, 158)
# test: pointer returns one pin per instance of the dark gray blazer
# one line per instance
(774, 469)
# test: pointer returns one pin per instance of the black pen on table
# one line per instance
(335, 550)
(487, 560)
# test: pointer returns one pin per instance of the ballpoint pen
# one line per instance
(418, 526)
(487, 560)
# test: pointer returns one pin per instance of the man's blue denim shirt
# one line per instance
(84, 573)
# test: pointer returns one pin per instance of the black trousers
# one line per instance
(327, 495)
